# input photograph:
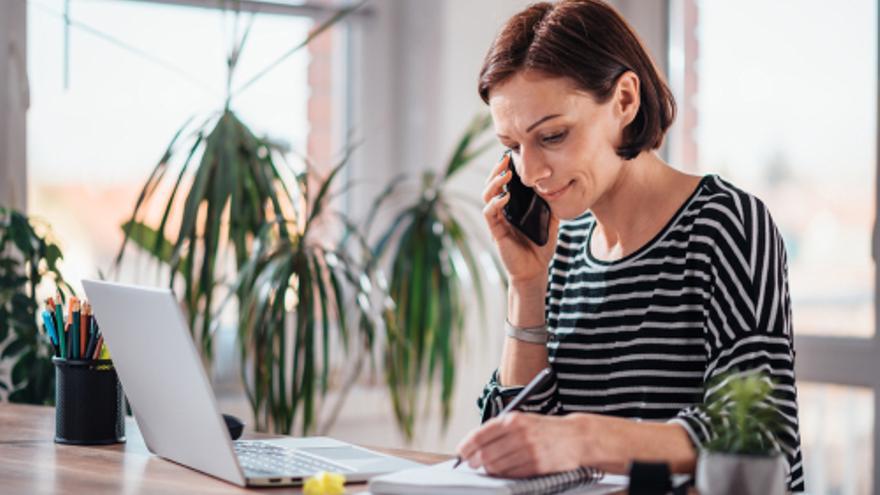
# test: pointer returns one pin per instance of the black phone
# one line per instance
(525, 210)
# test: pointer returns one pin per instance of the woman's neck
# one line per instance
(642, 200)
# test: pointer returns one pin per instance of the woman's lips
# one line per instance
(550, 196)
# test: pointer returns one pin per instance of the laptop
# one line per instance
(171, 397)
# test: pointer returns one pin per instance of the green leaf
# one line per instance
(150, 240)
(21, 369)
(463, 153)
(13, 348)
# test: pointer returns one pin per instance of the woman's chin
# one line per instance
(568, 211)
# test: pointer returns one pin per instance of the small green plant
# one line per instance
(27, 258)
(742, 418)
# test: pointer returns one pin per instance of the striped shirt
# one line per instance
(640, 337)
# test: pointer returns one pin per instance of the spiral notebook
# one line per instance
(441, 478)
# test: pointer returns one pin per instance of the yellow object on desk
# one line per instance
(325, 483)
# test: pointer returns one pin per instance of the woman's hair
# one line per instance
(588, 42)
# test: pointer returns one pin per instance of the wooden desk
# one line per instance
(31, 462)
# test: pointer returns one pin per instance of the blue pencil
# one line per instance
(50, 327)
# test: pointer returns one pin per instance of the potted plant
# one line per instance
(245, 201)
(743, 457)
(299, 293)
(431, 259)
(27, 259)
(239, 184)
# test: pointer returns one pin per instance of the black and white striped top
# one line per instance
(640, 337)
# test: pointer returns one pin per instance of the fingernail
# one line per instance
(503, 173)
(503, 193)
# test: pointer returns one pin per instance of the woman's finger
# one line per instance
(494, 216)
(496, 185)
(480, 437)
(506, 452)
(499, 167)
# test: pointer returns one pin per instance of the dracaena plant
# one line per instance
(432, 262)
(300, 295)
(231, 183)
(27, 259)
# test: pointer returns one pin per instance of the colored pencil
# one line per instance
(98, 346)
(74, 315)
(84, 328)
(59, 325)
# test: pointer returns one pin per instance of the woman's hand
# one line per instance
(519, 444)
(524, 260)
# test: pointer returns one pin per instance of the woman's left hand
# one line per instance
(525, 444)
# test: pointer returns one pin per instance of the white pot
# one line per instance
(731, 474)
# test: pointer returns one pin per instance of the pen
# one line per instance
(542, 378)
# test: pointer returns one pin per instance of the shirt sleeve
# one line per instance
(748, 323)
(495, 396)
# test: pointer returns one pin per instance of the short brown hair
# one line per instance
(590, 43)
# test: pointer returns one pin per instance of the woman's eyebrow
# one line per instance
(536, 124)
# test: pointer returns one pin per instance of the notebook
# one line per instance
(441, 478)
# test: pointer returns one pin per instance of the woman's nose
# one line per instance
(532, 168)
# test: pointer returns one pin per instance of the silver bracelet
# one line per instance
(533, 335)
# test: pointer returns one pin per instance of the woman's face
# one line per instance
(563, 142)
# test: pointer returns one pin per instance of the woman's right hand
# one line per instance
(525, 261)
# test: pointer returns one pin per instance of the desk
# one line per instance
(31, 462)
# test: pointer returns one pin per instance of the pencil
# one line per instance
(70, 342)
(93, 337)
(59, 325)
(75, 330)
(84, 328)
(98, 347)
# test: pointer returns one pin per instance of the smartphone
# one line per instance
(525, 210)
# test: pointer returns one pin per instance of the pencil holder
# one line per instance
(89, 403)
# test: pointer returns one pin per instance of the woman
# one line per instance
(667, 281)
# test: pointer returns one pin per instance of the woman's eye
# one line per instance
(554, 138)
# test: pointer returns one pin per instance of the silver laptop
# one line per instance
(175, 409)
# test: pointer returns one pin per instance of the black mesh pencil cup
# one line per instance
(89, 403)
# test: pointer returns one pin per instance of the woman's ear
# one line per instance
(626, 98)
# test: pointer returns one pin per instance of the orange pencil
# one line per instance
(83, 327)
(98, 347)
(70, 303)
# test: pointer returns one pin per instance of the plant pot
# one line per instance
(733, 474)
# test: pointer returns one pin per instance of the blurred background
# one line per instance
(779, 97)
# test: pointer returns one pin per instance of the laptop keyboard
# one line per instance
(273, 460)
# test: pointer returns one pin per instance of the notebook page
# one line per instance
(441, 478)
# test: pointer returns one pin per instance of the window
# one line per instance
(780, 98)
(125, 105)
